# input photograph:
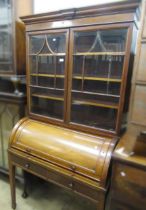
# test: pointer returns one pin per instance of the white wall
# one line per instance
(23, 7)
(51, 5)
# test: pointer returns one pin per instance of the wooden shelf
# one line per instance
(48, 97)
(47, 75)
(43, 87)
(94, 93)
(94, 103)
(5, 62)
(99, 53)
(48, 54)
(98, 79)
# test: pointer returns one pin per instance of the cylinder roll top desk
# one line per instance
(79, 65)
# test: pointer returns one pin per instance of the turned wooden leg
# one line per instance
(25, 192)
(12, 169)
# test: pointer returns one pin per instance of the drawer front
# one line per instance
(129, 184)
(60, 179)
(48, 174)
(76, 186)
(29, 166)
(139, 105)
(116, 205)
(87, 191)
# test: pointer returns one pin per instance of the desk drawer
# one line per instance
(58, 178)
(29, 166)
(78, 187)
(88, 191)
(74, 185)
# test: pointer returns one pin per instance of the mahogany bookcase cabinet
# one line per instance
(78, 90)
(12, 39)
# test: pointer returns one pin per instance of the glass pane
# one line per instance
(110, 40)
(33, 63)
(5, 36)
(36, 43)
(98, 59)
(48, 43)
(56, 43)
(51, 64)
(96, 117)
(103, 66)
(96, 87)
(47, 68)
(48, 108)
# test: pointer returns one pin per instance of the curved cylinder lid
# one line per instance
(86, 155)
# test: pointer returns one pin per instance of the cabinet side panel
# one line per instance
(20, 48)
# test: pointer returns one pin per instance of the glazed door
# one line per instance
(6, 51)
(97, 69)
(47, 70)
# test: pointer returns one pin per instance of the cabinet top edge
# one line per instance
(90, 11)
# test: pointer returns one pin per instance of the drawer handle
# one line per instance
(71, 185)
(28, 150)
(27, 165)
(123, 174)
(73, 168)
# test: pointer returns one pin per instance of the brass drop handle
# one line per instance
(123, 174)
(73, 168)
(28, 150)
(27, 165)
(71, 185)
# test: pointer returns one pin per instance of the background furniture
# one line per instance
(12, 37)
(138, 99)
(128, 188)
(11, 52)
(12, 70)
(12, 108)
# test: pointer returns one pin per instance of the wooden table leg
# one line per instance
(12, 169)
(25, 193)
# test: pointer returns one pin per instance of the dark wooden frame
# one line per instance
(66, 31)
(124, 74)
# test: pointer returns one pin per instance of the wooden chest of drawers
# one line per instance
(129, 186)
(128, 189)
